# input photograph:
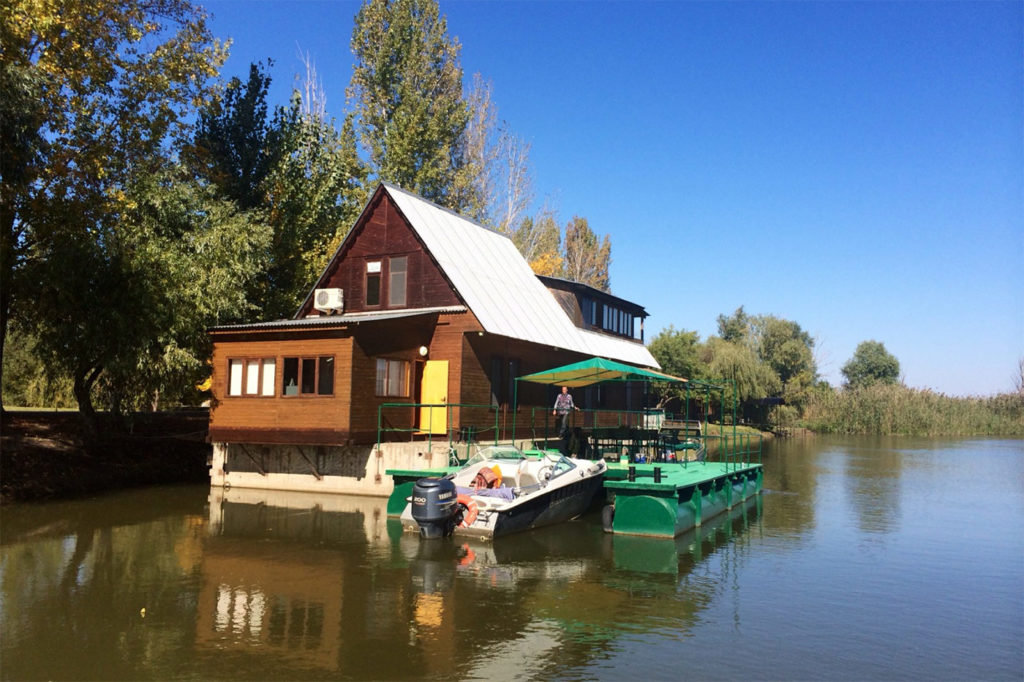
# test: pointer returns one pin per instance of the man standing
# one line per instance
(563, 406)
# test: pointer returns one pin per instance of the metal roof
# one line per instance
(348, 318)
(497, 284)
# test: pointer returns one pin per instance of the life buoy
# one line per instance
(469, 510)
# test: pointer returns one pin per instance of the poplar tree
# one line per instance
(407, 89)
(586, 259)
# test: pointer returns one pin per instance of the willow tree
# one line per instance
(407, 90)
(93, 95)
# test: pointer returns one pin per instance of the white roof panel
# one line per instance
(498, 285)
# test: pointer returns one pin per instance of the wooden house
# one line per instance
(418, 306)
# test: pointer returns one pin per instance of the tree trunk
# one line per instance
(83, 395)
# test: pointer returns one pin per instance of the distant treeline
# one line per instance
(887, 409)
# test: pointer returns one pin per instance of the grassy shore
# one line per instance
(47, 455)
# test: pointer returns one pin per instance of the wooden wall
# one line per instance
(383, 233)
(277, 419)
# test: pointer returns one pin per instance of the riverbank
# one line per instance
(49, 455)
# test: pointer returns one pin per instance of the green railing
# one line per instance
(467, 435)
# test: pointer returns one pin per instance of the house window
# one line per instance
(373, 282)
(397, 278)
(308, 376)
(251, 376)
(503, 380)
(513, 372)
(392, 378)
(496, 366)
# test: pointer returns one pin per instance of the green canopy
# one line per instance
(594, 371)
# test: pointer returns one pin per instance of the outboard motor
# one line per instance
(434, 507)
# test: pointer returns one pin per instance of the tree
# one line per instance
(407, 88)
(734, 362)
(678, 353)
(293, 170)
(587, 260)
(232, 147)
(871, 363)
(313, 194)
(539, 241)
(737, 328)
(127, 314)
(789, 351)
(99, 90)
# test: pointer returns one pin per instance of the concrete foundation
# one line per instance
(351, 469)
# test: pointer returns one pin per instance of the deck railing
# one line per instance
(643, 435)
(455, 437)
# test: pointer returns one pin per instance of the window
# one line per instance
(373, 282)
(251, 376)
(308, 376)
(397, 278)
(513, 372)
(495, 380)
(392, 378)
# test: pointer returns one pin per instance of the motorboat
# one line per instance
(502, 490)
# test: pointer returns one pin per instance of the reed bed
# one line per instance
(897, 410)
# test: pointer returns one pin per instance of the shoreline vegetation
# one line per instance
(47, 454)
(896, 410)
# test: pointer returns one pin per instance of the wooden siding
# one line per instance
(381, 234)
(276, 419)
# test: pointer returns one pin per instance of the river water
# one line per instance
(864, 559)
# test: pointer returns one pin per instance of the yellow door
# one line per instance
(434, 390)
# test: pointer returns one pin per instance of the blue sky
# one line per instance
(857, 168)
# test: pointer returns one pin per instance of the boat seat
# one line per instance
(525, 480)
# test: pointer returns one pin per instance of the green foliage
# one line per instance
(100, 91)
(293, 171)
(232, 147)
(29, 381)
(124, 304)
(407, 88)
(737, 328)
(871, 363)
(741, 365)
(587, 260)
(678, 353)
(891, 409)
(789, 351)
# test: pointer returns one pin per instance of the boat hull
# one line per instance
(558, 505)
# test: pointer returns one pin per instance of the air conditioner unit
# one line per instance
(328, 300)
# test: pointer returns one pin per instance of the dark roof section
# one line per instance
(579, 288)
(334, 320)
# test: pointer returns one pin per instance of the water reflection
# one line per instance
(275, 579)
(808, 580)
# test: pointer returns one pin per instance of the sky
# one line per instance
(855, 167)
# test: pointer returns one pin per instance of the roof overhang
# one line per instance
(332, 321)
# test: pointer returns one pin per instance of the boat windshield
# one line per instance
(560, 463)
(493, 452)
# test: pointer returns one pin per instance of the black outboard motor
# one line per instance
(434, 506)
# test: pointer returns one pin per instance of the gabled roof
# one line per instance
(498, 286)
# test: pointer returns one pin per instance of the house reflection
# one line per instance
(326, 584)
